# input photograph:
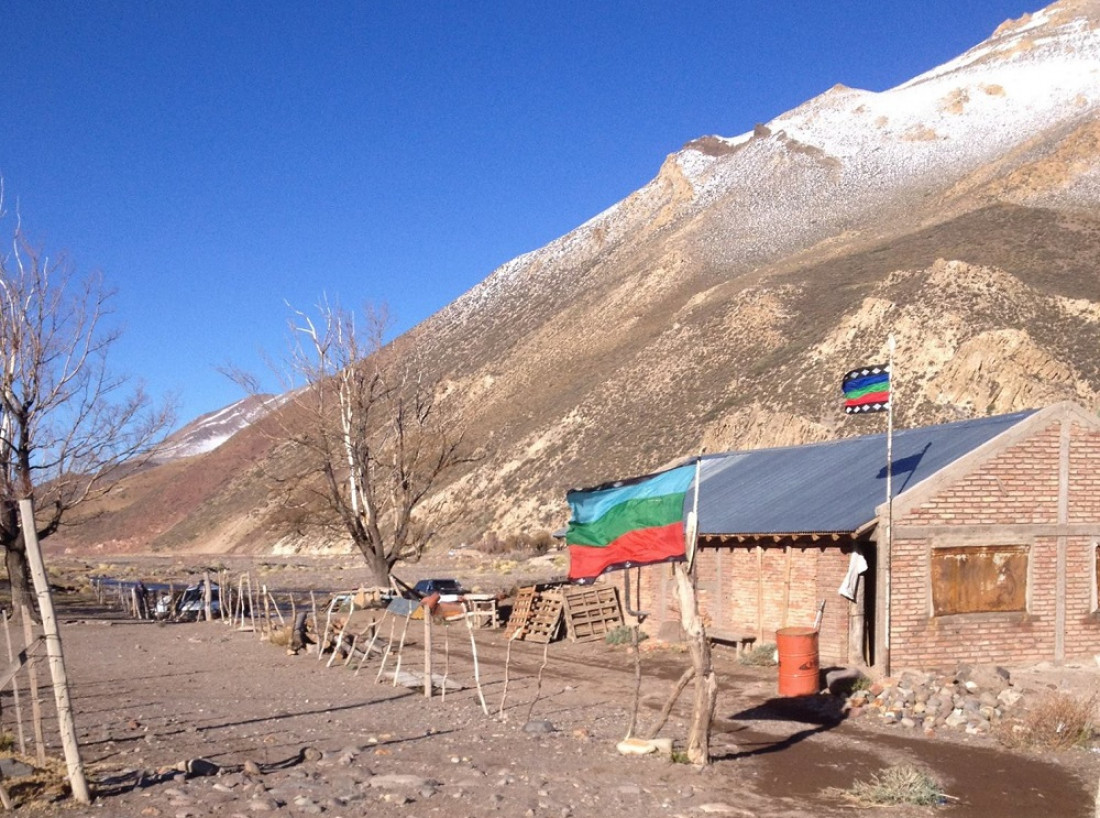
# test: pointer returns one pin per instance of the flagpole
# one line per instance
(691, 530)
(889, 500)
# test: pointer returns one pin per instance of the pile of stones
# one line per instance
(974, 699)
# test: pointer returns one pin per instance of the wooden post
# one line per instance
(15, 689)
(706, 684)
(54, 653)
(275, 607)
(427, 653)
(787, 586)
(538, 683)
(759, 593)
(477, 667)
(207, 596)
(446, 659)
(32, 685)
(401, 649)
(340, 637)
(240, 601)
(251, 604)
(376, 627)
(267, 612)
(387, 651)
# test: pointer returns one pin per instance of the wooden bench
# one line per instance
(741, 641)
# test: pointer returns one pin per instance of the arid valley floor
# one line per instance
(289, 735)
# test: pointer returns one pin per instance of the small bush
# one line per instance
(623, 636)
(1057, 722)
(760, 656)
(520, 544)
(901, 784)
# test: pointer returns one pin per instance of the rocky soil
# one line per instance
(186, 720)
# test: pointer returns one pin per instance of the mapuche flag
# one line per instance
(867, 389)
(626, 523)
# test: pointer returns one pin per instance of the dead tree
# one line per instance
(376, 432)
(69, 428)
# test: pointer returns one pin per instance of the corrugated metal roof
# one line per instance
(828, 487)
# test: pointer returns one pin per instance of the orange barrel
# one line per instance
(798, 662)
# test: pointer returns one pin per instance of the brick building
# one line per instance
(988, 553)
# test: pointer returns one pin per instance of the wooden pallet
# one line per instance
(545, 619)
(591, 612)
(521, 611)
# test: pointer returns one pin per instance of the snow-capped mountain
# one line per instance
(719, 305)
(206, 433)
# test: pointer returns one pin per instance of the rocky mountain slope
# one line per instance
(719, 305)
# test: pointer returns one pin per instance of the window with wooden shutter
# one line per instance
(979, 579)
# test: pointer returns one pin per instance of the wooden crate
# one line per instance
(591, 612)
(545, 619)
(521, 611)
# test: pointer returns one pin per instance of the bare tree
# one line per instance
(68, 426)
(377, 436)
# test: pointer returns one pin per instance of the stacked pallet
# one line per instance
(587, 613)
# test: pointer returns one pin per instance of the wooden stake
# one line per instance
(787, 587)
(207, 597)
(677, 689)
(507, 671)
(54, 654)
(313, 604)
(252, 604)
(401, 650)
(240, 600)
(275, 607)
(759, 594)
(634, 640)
(15, 688)
(446, 659)
(266, 627)
(32, 684)
(376, 627)
(477, 667)
(427, 653)
(386, 653)
(538, 683)
(340, 638)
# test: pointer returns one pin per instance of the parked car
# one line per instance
(446, 588)
(188, 603)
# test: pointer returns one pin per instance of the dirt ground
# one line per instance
(292, 736)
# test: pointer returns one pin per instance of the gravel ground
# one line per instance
(201, 719)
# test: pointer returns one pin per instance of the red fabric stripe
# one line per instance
(871, 397)
(639, 547)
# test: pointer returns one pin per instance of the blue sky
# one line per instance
(217, 159)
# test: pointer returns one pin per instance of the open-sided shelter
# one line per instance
(988, 552)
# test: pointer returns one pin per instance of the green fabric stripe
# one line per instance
(646, 512)
(881, 386)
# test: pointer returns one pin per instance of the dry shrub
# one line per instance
(760, 656)
(519, 544)
(1057, 722)
(282, 636)
(900, 784)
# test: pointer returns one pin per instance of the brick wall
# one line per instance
(744, 589)
(1013, 498)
